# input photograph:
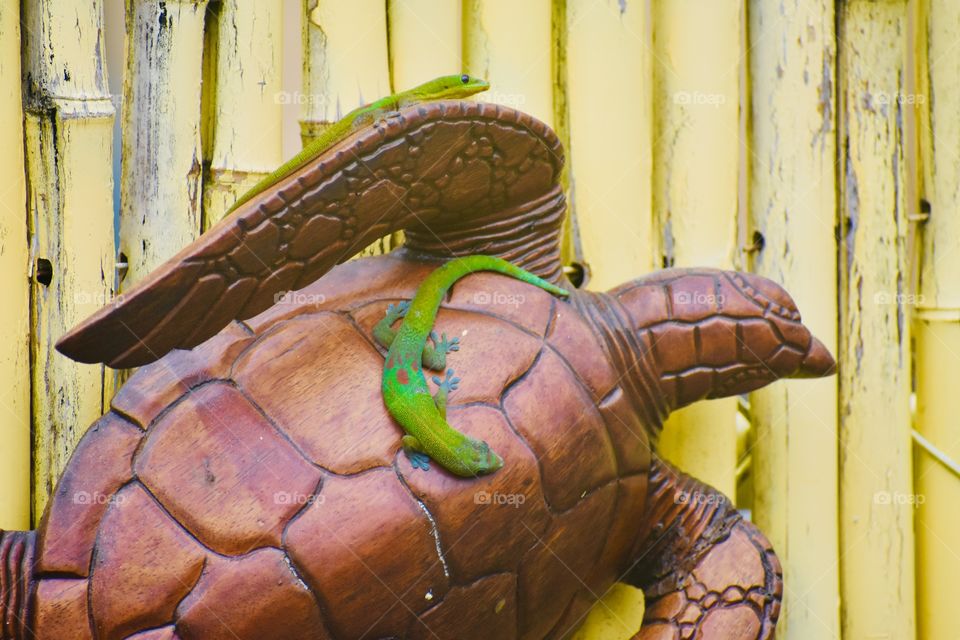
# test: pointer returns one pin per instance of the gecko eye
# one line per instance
(464, 78)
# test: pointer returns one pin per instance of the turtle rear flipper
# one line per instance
(16, 582)
(459, 177)
(705, 572)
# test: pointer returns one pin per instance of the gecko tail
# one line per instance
(499, 265)
(431, 292)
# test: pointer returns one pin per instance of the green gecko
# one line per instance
(442, 88)
(405, 391)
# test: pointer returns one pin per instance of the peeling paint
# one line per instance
(161, 166)
(875, 342)
(68, 125)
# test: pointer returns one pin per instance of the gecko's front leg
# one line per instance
(434, 357)
(411, 446)
(446, 386)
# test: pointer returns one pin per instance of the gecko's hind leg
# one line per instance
(448, 384)
(415, 453)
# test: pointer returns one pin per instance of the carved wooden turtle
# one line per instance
(253, 487)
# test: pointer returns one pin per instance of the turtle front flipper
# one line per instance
(459, 177)
(706, 573)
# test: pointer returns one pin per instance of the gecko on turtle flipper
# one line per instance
(442, 88)
(405, 391)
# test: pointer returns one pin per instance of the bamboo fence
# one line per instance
(813, 141)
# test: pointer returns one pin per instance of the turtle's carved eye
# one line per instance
(464, 78)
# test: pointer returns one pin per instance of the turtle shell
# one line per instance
(257, 482)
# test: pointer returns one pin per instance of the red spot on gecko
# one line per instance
(402, 376)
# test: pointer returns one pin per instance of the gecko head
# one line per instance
(452, 87)
(483, 459)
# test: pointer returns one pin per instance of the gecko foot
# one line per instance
(418, 460)
(397, 311)
(443, 344)
(449, 383)
(415, 453)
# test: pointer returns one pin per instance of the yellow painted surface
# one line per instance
(68, 129)
(424, 41)
(876, 490)
(616, 616)
(14, 282)
(696, 147)
(792, 203)
(161, 174)
(509, 44)
(937, 328)
(937, 489)
(609, 144)
(247, 102)
(345, 60)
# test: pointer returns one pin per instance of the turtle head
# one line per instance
(712, 333)
(450, 87)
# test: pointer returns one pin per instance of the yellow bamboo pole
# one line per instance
(938, 325)
(68, 128)
(246, 103)
(345, 60)
(345, 64)
(695, 190)
(424, 41)
(793, 206)
(609, 145)
(876, 493)
(161, 174)
(15, 311)
(510, 44)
